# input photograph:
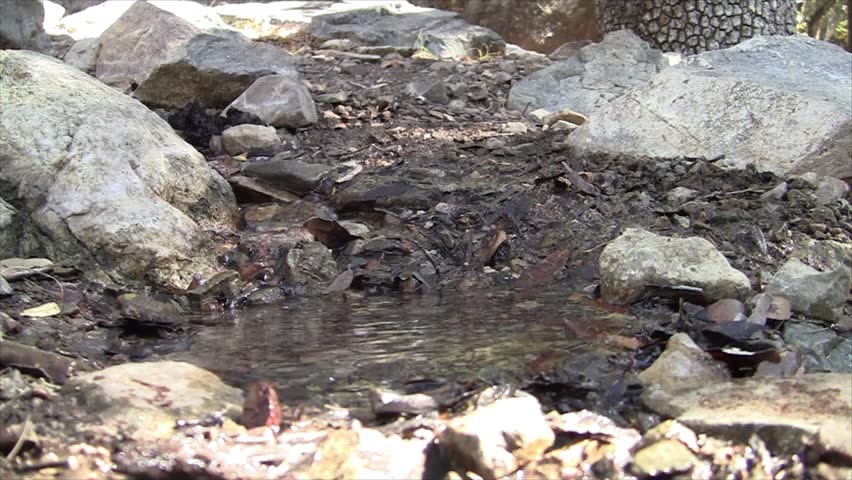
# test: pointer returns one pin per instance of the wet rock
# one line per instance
(265, 296)
(496, 440)
(683, 365)
(124, 197)
(242, 138)
(144, 311)
(639, 259)
(383, 402)
(83, 55)
(780, 410)
(292, 175)
(148, 398)
(15, 268)
(442, 34)
(205, 60)
(684, 104)
(277, 100)
(664, 458)
(823, 349)
(311, 265)
(224, 286)
(595, 76)
(810, 292)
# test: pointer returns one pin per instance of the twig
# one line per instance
(25, 433)
(597, 246)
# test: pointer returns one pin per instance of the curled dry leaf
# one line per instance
(483, 256)
(341, 283)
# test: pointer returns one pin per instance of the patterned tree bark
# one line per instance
(693, 26)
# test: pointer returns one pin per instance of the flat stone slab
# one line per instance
(779, 410)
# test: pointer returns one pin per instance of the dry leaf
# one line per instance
(46, 310)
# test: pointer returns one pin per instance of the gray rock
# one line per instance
(311, 265)
(333, 98)
(595, 76)
(148, 398)
(638, 258)
(277, 100)
(9, 230)
(443, 34)
(780, 410)
(167, 61)
(780, 103)
(810, 292)
(830, 189)
(21, 26)
(5, 288)
(683, 365)
(105, 184)
(83, 55)
(92, 20)
(680, 195)
(292, 175)
(823, 350)
(496, 440)
(242, 138)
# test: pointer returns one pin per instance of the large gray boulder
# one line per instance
(21, 25)
(596, 75)
(167, 60)
(444, 34)
(639, 260)
(102, 182)
(780, 103)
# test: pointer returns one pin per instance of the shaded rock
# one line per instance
(667, 457)
(639, 259)
(598, 74)
(9, 229)
(310, 265)
(683, 365)
(292, 175)
(780, 410)
(21, 26)
(204, 60)
(823, 350)
(443, 34)
(5, 288)
(83, 55)
(496, 440)
(148, 398)
(121, 196)
(277, 100)
(784, 102)
(242, 138)
(810, 292)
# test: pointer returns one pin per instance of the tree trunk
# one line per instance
(692, 26)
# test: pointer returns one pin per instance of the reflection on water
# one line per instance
(340, 347)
